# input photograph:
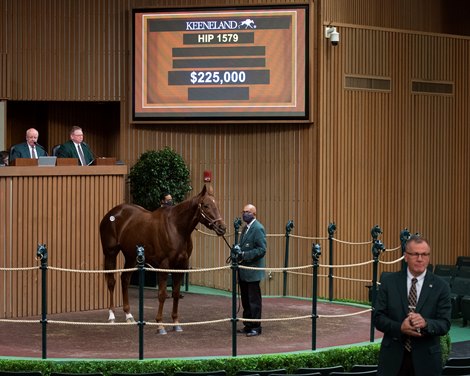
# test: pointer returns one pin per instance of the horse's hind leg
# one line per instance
(177, 279)
(110, 264)
(162, 281)
(125, 281)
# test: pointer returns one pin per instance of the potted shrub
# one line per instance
(155, 173)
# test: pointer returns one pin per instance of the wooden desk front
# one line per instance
(61, 207)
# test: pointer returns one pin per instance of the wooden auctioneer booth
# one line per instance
(61, 207)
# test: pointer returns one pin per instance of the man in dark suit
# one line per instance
(76, 148)
(252, 254)
(413, 310)
(28, 149)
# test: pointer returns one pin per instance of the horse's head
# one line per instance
(209, 214)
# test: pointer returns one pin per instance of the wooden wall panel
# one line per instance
(4, 86)
(395, 158)
(63, 211)
(438, 16)
(65, 50)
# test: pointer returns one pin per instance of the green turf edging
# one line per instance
(345, 356)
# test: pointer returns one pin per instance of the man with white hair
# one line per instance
(28, 149)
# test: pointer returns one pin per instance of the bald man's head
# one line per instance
(249, 213)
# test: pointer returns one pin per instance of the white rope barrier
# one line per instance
(351, 243)
(189, 323)
(308, 237)
(348, 265)
(196, 270)
(207, 322)
(393, 249)
(353, 279)
(21, 321)
(346, 314)
(19, 269)
(392, 262)
(277, 319)
(82, 323)
(91, 271)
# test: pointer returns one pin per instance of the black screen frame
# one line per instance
(246, 116)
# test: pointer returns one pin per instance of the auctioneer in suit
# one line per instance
(23, 150)
(68, 150)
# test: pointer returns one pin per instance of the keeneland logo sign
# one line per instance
(220, 25)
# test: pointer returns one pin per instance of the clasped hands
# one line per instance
(413, 324)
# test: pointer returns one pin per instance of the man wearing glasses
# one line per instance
(76, 148)
(413, 310)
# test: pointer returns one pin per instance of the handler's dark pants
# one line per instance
(251, 302)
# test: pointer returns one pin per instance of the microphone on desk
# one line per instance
(40, 146)
(96, 157)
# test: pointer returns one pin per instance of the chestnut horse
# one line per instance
(165, 235)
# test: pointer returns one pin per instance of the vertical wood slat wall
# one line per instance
(395, 159)
(62, 212)
(65, 50)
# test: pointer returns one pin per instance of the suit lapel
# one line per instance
(425, 291)
(242, 234)
(403, 291)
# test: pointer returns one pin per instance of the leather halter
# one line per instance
(212, 222)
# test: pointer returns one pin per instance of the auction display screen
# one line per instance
(247, 63)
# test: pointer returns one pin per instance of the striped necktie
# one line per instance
(412, 300)
(33, 152)
(81, 155)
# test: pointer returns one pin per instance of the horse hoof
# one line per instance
(111, 321)
(130, 319)
(162, 331)
(177, 328)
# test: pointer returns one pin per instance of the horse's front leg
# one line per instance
(177, 279)
(162, 281)
(125, 280)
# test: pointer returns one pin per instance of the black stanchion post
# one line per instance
(316, 252)
(234, 254)
(42, 255)
(331, 232)
(289, 227)
(237, 222)
(377, 248)
(141, 323)
(404, 236)
(375, 232)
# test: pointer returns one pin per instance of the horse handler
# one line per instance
(251, 253)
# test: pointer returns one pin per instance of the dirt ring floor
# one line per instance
(122, 342)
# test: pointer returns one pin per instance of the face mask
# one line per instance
(248, 217)
(168, 203)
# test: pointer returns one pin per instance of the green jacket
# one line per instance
(253, 246)
(68, 150)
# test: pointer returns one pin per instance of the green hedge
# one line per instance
(347, 357)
